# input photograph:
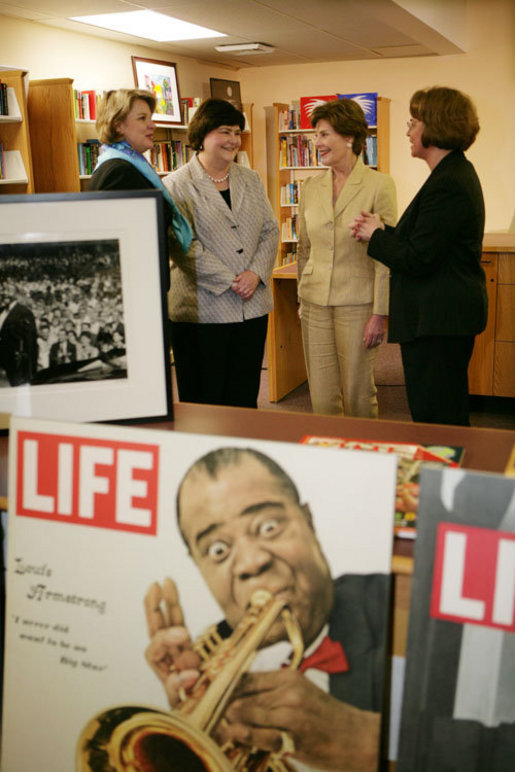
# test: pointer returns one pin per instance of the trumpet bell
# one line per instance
(139, 739)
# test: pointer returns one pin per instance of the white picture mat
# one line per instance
(133, 221)
(159, 70)
(351, 495)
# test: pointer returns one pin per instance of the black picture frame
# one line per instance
(96, 258)
(226, 89)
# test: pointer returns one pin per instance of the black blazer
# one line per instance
(19, 345)
(359, 621)
(437, 284)
(117, 174)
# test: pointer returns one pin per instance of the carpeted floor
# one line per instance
(491, 412)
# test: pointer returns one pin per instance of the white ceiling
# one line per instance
(302, 31)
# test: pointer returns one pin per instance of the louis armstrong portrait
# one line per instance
(246, 529)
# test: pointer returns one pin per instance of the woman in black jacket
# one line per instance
(438, 301)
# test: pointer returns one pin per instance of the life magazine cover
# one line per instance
(459, 697)
(125, 545)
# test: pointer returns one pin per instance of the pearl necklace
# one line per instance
(222, 179)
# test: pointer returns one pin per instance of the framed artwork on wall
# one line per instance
(226, 89)
(83, 317)
(160, 78)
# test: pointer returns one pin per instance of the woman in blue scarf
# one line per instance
(126, 130)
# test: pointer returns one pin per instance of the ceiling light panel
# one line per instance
(150, 25)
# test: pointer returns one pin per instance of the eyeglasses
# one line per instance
(411, 123)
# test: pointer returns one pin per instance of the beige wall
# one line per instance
(486, 72)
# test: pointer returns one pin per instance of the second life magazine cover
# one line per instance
(459, 694)
(182, 602)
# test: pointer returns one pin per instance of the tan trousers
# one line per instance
(340, 368)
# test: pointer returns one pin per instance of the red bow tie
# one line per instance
(329, 657)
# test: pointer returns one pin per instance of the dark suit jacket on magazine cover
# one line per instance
(359, 621)
(19, 345)
(437, 284)
(432, 740)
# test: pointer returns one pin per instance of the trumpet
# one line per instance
(132, 738)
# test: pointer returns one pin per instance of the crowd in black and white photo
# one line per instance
(61, 312)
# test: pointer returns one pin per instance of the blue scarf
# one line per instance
(125, 152)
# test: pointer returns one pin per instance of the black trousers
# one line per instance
(435, 369)
(219, 364)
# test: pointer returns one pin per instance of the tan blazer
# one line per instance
(225, 243)
(333, 268)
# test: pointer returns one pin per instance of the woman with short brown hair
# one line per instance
(438, 301)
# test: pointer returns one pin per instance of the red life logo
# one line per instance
(474, 576)
(87, 481)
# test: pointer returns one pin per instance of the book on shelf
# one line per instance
(289, 119)
(371, 150)
(85, 104)
(290, 193)
(168, 156)
(298, 150)
(289, 229)
(2, 162)
(411, 459)
(290, 256)
(4, 102)
(88, 153)
(308, 104)
(186, 103)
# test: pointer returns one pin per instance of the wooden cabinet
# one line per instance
(492, 367)
(53, 136)
(14, 136)
(287, 177)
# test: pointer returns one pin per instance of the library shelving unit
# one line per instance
(286, 367)
(294, 144)
(15, 136)
(54, 137)
(167, 134)
(54, 144)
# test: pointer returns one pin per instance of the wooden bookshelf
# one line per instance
(54, 143)
(54, 137)
(14, 136)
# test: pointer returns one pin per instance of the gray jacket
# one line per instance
(225, 243)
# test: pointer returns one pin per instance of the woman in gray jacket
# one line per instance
(220, 293)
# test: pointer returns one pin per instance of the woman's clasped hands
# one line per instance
(363, 226)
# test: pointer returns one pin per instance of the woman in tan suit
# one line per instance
(343, 292)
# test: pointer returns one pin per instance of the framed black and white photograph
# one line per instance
(83, 319)
(228, 90)
(160, 78)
